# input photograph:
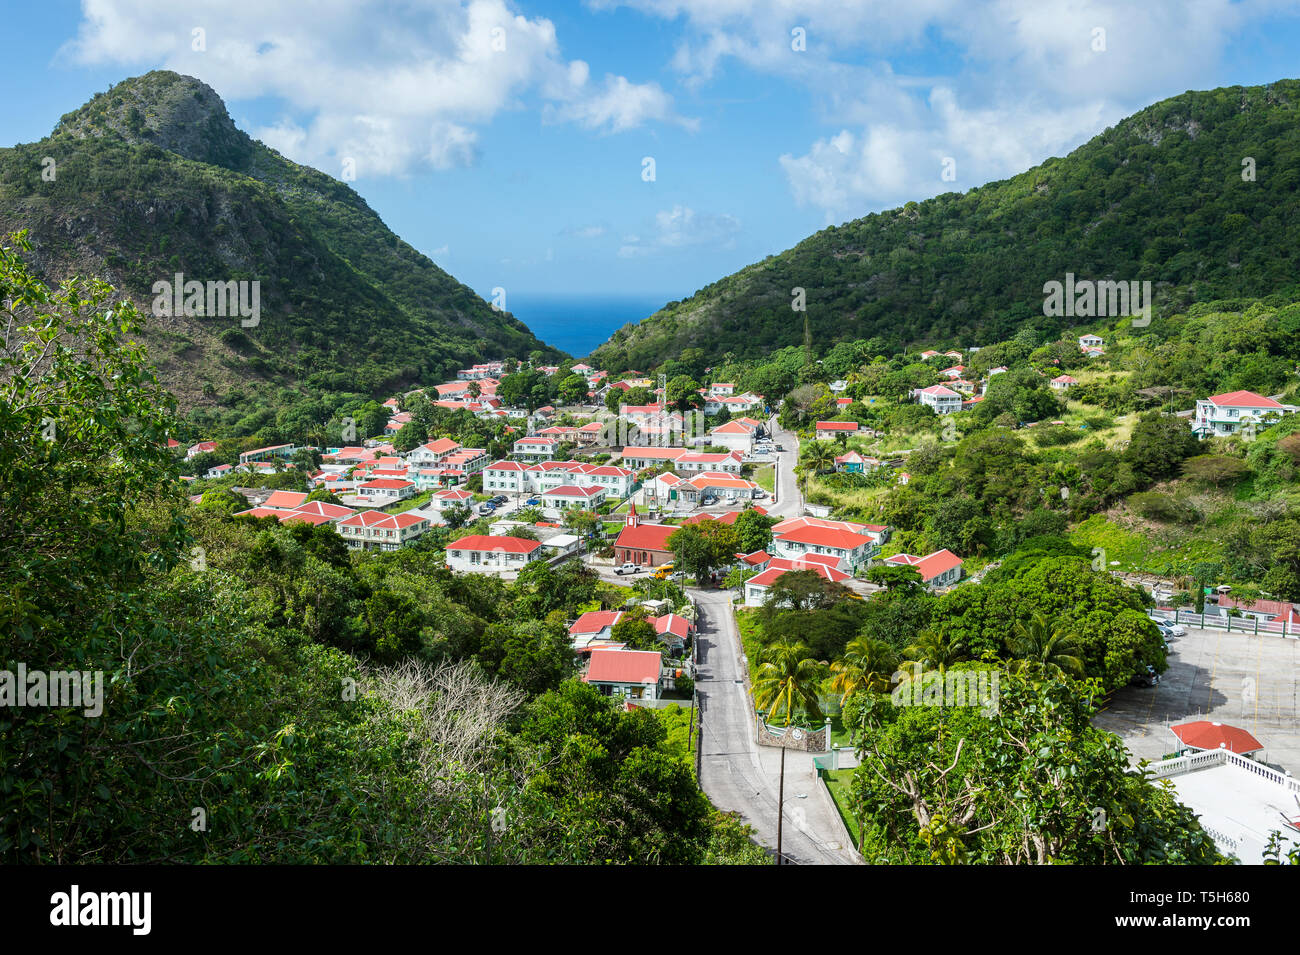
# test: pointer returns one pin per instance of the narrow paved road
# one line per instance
(789, 502)
(739, 775)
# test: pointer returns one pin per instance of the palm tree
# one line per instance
(933, 649)
(788, 678)
(819, 456)
(866, 665)
(1037, 642)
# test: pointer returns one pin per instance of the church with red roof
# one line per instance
(644, 544)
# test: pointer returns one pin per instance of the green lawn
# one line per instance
(765, 477)
(424, 497)
(1168, 551)
(837, 782)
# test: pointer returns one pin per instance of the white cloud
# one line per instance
(1025, 79)
(394, 87)
(682, 226)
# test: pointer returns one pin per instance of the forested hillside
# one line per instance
(1165, 196)
(153, 178)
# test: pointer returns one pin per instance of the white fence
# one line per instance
(1218, 621)
(1217, 757)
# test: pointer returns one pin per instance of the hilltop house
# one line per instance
(939, 399)
(1229, 412)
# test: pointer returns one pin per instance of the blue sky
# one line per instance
(506, 139)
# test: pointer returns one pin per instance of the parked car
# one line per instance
(532, 502)
(500, 499)
(709, 501)
(628, 568)
(486, 508)
(1147, 677)
(1169, 629)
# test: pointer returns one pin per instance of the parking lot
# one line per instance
(1236, 678)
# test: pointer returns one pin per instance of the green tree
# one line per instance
(787, 682)
(1037, 642)
(867, 665)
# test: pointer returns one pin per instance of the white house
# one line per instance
(735, 436)
(1091, 341)
(509, 477)
(451, 497)
(482, 554)
(375, 530)
(1229, 412)
(569, 496)
(939, 399)
(535, 448)
(1063, 382)
(852, 544)
(757, 587)
(827, 430)
(432, 452)
(940, 569)
(385, 490)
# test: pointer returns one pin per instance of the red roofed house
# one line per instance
(483, 554)
(939, 399)
(593, 625)
(673, 630)
(331, 512)
(644, 544)
(203, 447)
(633, 674)
(385, 490)
(1227, 413)
(375, 530)
(940, 569)
(569, 496)
(260, 512)
(831, 429)
(756, 587)
(851, 546)
(286, 499)
(737, 435)
(432, 452)
(1062, 382)
(451, 497)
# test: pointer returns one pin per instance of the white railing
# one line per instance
(1221, 757)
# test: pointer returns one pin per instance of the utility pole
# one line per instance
(780, 807)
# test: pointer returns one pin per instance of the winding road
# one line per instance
(737, 774)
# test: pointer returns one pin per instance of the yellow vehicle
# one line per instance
(664, 572)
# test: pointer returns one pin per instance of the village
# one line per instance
(607, 484)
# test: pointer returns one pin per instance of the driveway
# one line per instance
(739, 775)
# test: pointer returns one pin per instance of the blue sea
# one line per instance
(578, 324)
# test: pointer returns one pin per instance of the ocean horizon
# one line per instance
(578, 324)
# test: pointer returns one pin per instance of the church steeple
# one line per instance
(632, 519)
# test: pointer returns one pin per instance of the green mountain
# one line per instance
(153, 178)
(1165, 196)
